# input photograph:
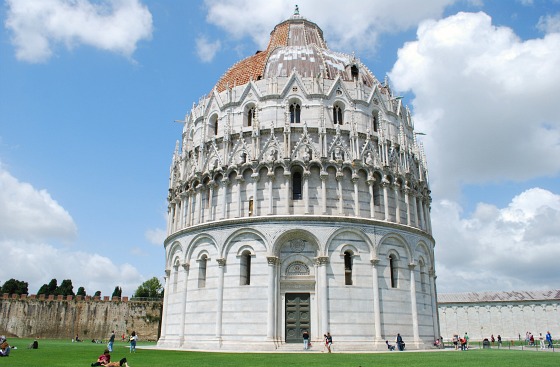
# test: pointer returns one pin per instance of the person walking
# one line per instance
(133, 340)
(541, 341)
(111, 341)
(549, 339)
(328, 341)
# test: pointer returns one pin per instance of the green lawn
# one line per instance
(64, 353)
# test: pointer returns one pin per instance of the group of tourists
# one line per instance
(544, 341)
(462, 342)
(327, 341)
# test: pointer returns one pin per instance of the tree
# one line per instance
(97, 294)
(48, 289)
(81, 292)
(117, 292)
(14, 286)
(65, 288)
(151, 288)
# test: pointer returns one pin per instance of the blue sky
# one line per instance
(90, 90)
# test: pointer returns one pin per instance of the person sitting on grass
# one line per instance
(389, 346)
(5, 349)
(105, 360)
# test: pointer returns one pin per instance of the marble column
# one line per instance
(385, 186)
(288, 196)
(306, 175)
(184, 303)
(270, 192)
(339, 177)
(240, 182)
(255, 177)
(396, 188)
(220, 297)
(165, 300)
(376, 303)
(324, 177)
(224, 185)
(407, 204)
(414, 307)
(355, 180)
(322, 262)
(271, 324)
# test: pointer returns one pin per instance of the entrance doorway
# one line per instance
(298, 316)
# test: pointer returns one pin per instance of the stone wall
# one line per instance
(89, 317)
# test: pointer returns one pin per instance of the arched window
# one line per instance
(422, 276)
(250, 116)
(295, 113)
(375, 122)
(251, 207)
(337, 115)
(296, 186)
(202, 271)
(214, 124)
(347, 268)
(245, 268)
(394, 271)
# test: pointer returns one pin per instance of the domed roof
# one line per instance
(296, 44)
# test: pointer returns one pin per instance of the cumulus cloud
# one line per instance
(498, 249)
(37, 263)
(111, 25)
(156, 236)
(483, 97)
(29, 214)
(549, 23)
(29, 219)
(206, 50)
(357, 30)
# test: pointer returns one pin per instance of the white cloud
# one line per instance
(483, 97)
(206, 50)
(29, 219)
(37, 263)
(111, 25)
(357, 29)
(499, 249)
(549, 23)
(156, 236)
(27, 213)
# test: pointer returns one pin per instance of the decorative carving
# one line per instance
(297, 268)
(297, 245)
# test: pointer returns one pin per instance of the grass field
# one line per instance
(64, 353)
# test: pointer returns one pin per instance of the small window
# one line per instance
(295, 113)
(355, 72)
(347, 268)
(251, 207)
(393, 270)
(250, 116)
(296, 186)
(175, 275)
(202, 271)
(337, 115)
(375, 122)
(245, 268)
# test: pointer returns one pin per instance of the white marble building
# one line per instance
(509, 314)
(298, 200)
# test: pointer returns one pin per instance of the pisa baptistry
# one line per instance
(298, 201)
